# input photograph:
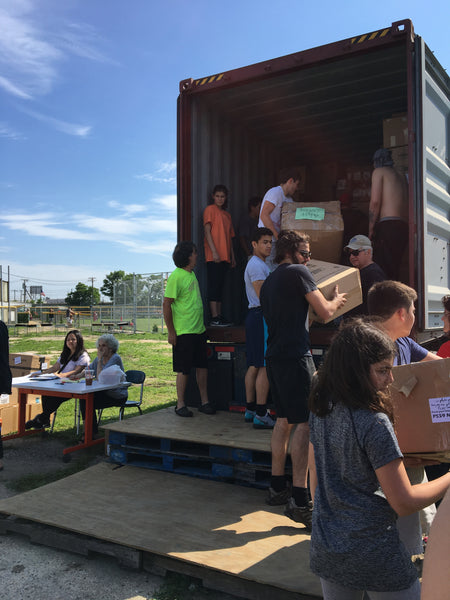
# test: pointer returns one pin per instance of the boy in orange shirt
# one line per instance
(218, 251)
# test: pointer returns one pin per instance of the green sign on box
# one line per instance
(312, 213)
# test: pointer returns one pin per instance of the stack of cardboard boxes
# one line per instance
(21, 364)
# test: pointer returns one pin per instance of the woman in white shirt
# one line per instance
(73, 360)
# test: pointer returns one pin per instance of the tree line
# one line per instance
(120, 287)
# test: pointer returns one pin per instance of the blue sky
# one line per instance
(88, 94)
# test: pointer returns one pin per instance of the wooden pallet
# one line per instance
(223, 534)
(221, 447)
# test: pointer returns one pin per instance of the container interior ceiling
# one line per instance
(330, 111)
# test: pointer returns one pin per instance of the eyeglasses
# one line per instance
(305, 254)
(354, 252)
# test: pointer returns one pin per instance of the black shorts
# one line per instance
(290, 384)
(255, 338)
(190, 352)
(216, 280)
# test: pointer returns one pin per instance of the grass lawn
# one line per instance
(146, 352)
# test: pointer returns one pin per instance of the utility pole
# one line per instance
(92, 279)
(24, 287)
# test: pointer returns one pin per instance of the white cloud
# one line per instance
(168, 202)
(32, 52)
(42, 225)
(165, 173)
(75, 129)
(7, 132)
(130, 229)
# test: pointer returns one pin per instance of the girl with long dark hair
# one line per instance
(358, 481)
(72, 361)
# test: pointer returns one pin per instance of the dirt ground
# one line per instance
(32, 572)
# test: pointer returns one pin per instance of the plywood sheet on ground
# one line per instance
(215, 525)
(222, 429)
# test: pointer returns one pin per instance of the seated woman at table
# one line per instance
(107, 346)
(72, 361)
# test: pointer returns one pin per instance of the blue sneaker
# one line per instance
(249, 416)
(266, 422)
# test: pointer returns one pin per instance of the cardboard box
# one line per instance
(400, 158)
(326, 276)
(24, 363)
(9, 414)
(31, 398)
(322, 221)
(32, 410)
(395, 131)
(421, 397)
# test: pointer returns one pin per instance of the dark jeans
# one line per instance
(50, 404)
(101, 400)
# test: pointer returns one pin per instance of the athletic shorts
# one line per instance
(290, 383)
(216, 280)
(255, 338)
(190, 352)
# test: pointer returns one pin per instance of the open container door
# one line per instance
(433, 184)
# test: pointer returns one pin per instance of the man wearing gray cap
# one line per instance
(359, 251)
(388, 213)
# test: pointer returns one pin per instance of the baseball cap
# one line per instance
(359, 242)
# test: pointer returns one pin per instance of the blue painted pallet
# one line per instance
(237, 465)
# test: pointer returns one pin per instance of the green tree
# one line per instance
(84, 295)
(107, 288)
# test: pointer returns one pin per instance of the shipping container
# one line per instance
(326, 109)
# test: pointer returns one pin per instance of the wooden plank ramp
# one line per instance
(221, 533)
(221, 447)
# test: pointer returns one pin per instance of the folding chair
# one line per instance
(136, 378)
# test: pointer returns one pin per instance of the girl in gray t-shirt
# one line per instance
(358, 481)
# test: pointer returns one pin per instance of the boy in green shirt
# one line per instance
(183, 314)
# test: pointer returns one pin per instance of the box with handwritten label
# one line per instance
(322, 221)
(421, 398)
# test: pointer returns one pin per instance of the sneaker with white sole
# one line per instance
(266, 422)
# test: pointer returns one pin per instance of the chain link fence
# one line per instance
(136, 305)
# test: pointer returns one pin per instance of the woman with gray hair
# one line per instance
(107, 346)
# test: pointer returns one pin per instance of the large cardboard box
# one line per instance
(9, 414)
(421, 398)
(322, 221)
(326, 276)
(395, 131)
(24, 363)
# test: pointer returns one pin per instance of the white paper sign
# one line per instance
(17, 360)
(44, 366)
(440, 409)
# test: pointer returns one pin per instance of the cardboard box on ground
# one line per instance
(421, 398)
(322, 221)
(327, 276)
(20, 365)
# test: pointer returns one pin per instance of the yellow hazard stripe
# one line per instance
(210, 79)
(370, 36)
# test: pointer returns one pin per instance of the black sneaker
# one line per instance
(278, 498)
(39, 422)
(299, 514)
(207, 409)
(183, 412)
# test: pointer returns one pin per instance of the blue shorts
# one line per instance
(255, 338)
